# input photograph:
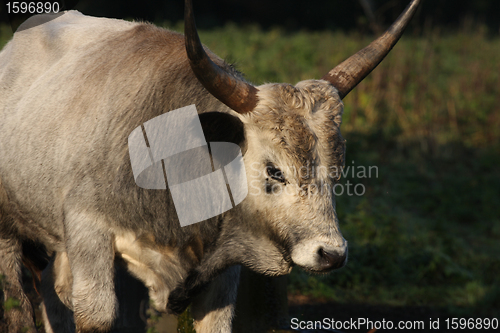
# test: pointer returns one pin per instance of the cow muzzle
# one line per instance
(317, 256)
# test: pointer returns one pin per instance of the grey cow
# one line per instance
(73, 88)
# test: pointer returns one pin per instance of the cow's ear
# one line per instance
(223, 127)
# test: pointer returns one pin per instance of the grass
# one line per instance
(427, 230)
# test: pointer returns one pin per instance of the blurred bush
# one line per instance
(427, 230)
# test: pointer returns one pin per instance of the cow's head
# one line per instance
(293, 149)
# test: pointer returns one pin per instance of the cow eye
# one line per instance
(275, 173)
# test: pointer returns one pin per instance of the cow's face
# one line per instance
(294, 155)
(289, 129)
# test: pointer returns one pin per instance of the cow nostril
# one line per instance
(331, 260)
(327, 257)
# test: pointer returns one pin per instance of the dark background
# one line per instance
(299, 14)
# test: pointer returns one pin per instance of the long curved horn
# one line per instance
(351, 71)
(230, 90)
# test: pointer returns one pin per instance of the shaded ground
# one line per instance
(307, 309)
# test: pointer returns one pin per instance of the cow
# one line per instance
(73, 88)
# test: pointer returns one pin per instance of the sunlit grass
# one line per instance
(426, 232)
(430, 91)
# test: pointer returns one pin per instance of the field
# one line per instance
(425, 234)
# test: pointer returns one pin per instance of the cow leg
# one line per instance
(91, 258)
(213, 309)
(56, 291)
(20, 318)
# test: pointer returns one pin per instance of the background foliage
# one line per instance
(427, 230)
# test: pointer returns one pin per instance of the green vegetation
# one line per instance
(427, 230)
(185, 322)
